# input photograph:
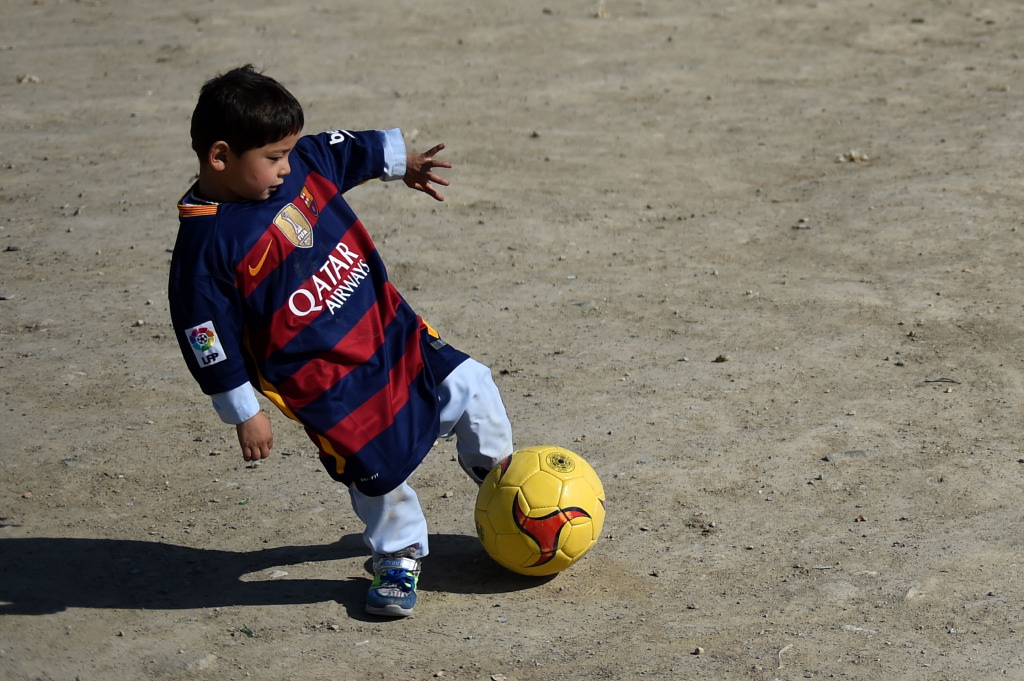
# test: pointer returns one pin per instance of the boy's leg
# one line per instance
(394, 521)
(396, 533)
(472, 409)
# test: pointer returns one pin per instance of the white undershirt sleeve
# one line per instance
(394, 155)
(237, 405)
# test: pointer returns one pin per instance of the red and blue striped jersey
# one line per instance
(290, 295)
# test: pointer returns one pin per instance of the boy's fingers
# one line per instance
(254, 452)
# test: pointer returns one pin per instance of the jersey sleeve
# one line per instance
(207, 319)
(353, 158)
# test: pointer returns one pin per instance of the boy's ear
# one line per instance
(217, 156)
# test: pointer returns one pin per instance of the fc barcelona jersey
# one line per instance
(290, 295)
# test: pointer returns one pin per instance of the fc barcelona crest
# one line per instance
(307, 198)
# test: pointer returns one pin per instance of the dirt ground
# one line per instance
(759, 262)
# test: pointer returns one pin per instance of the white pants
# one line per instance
(472, 410)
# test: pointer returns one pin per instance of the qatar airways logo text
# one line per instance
(333, 284)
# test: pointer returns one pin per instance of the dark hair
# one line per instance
(245, 109)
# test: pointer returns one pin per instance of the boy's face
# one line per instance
(256, 173)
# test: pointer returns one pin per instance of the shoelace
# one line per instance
(400, 578)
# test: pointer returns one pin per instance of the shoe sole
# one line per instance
(390, 610)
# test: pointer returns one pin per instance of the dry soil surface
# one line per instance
(758, 261)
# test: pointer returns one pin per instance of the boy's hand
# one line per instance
(255, 437)
(418, 173)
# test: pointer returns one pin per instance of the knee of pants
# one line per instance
(472, 410)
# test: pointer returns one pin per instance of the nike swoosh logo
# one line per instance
(253, 271)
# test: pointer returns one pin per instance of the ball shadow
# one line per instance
(459, 564)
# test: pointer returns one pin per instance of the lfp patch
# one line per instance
(205, 344)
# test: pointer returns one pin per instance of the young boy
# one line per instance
(276, 285)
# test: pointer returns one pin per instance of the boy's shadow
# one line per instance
(47, 575)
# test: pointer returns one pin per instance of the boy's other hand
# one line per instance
(418, 173)
(255, 437)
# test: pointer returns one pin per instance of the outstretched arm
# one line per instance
(419, 175)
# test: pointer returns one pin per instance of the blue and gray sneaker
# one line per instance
(393, 591)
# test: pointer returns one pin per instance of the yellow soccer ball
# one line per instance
(540, 510)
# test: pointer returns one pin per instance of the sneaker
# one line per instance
(393, 591)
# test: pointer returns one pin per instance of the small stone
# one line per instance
(852, 156)
(849, 454)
